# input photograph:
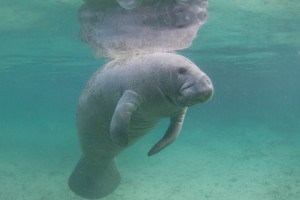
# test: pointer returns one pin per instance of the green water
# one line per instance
(242, 145)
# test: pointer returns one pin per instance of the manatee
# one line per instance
(163, 26)
(121, 103)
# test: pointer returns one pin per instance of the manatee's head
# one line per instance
(189, 85)
(196, 87)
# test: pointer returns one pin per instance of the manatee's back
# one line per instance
(94, 113)
(96, 174)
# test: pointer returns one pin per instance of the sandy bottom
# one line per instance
(244, 162)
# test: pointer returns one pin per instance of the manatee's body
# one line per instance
(124, 101)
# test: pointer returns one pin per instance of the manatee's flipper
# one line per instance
(119, 126)
(94, 181)
(174, 128)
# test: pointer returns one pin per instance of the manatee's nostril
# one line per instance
(206, 81)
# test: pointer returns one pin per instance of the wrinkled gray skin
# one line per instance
(165, 25)
(123, 102)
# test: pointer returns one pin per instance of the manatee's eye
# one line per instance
(182, 70)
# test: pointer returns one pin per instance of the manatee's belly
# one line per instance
(140, 127)
(94, 118)
(94, 132)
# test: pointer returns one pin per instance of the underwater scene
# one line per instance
(93, 93)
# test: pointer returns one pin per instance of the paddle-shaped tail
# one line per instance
(94, 180)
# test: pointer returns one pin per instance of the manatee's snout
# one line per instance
(205, 89)
(195, 91)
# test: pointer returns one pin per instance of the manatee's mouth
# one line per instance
(188, 103)
(198, 100)
(184, 88)
(188, 98)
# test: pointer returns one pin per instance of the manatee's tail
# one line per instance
(94, 180)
